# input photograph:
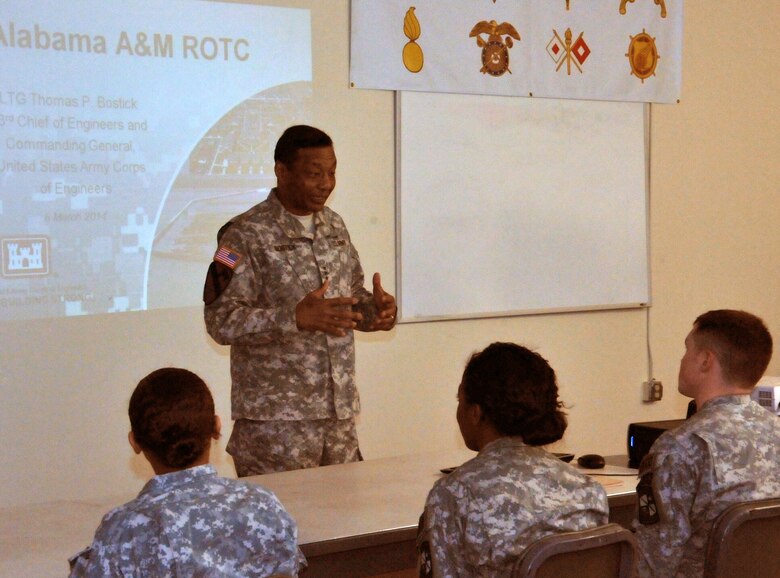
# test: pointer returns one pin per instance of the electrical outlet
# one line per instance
(652, 390)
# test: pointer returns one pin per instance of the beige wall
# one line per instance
(715, 235)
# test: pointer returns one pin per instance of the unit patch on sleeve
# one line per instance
(648, 510)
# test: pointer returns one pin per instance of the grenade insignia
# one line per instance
(412, 53)
(495, 50)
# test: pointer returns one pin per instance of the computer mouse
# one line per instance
(591, 461)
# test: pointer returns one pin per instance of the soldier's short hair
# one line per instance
(298, 137)
(517, 391)
(172, 415)
(740, 341)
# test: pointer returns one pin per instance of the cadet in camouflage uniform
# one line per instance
(285, 291)
(479, 519)
(727, 452)
(187, 521)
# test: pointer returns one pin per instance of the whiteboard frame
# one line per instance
(403, 317)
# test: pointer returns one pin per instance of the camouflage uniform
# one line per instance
(277, 371)
(725, 453)
(483, 515)
(193, 523)
(314, 443)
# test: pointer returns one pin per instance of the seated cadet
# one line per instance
(187, 521)
(481, 517)
(726, 452)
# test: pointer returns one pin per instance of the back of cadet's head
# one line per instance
(740, 341)
(172, 415)
(517, 391)
(298, 137)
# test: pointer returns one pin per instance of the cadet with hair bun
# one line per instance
(187, 521)
(480, 518)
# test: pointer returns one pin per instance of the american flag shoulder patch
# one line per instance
(227, 256)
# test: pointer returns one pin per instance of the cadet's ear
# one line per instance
(474, 412)
(217, 428)
(133, 444)
(707, 359)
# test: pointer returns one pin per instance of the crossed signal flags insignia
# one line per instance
(563, 50)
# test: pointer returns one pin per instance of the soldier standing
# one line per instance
(285, 291)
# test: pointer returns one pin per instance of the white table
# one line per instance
(353, 519)
(360, 519)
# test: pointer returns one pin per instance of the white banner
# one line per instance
(628, 50)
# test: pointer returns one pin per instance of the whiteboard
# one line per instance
(510, 206)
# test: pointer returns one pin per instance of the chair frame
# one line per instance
(535, 556)
(728, 523)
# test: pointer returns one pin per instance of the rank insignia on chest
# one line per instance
(284, 247)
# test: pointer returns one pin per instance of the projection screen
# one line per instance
(130, 132)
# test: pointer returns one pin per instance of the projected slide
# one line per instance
(129, 133)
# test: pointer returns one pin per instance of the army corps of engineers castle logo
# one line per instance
(25, 256)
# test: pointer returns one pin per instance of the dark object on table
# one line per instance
(591, 461)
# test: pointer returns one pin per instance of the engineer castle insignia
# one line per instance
(495, 50)
(25, 256)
